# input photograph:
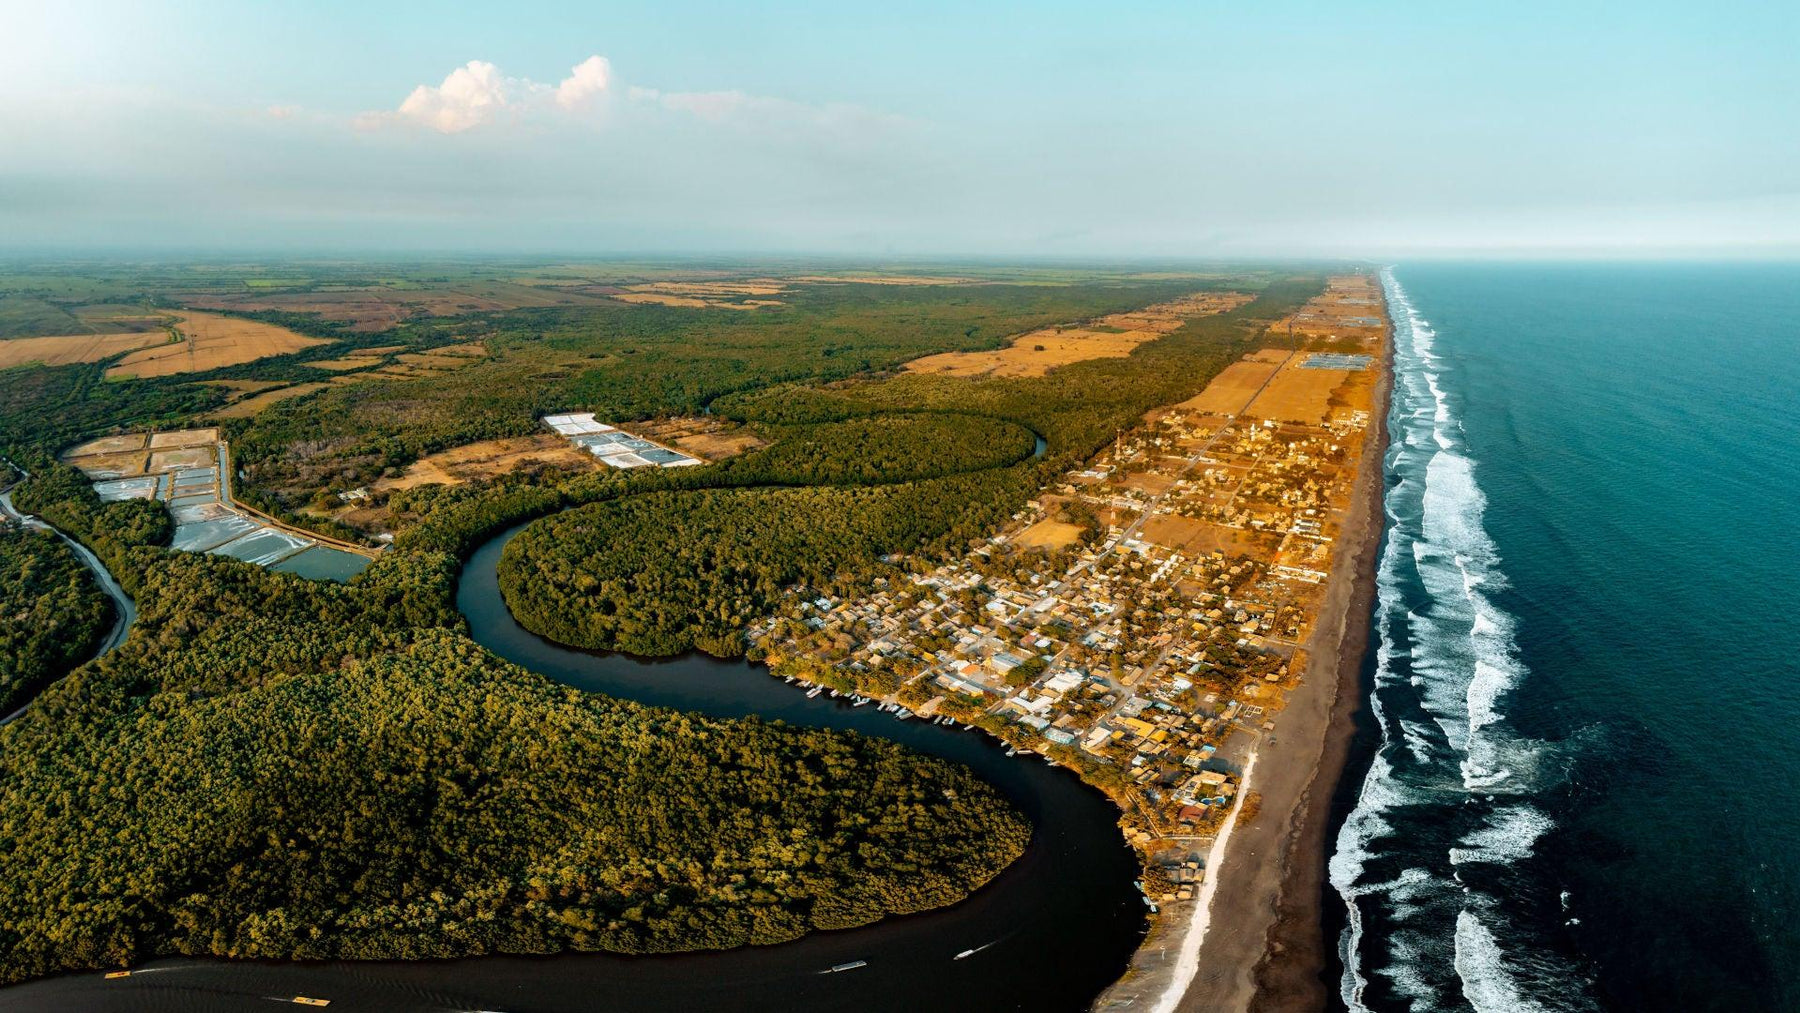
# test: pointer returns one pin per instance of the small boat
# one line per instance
(851, 966)
(815, 691)
(788, 679)
(903, 713)
(964, 955)
(862, 701)
(834, 694)
(1012, 752)
(1050, 761)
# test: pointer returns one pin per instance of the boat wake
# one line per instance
(1428, 863)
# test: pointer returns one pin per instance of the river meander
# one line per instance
(1052, 930)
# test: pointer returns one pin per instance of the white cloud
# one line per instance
(469, 97)
(589, 78)
(477, 94)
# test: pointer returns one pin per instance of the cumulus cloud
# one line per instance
(591, 77)
(469, 97)
(477, 94)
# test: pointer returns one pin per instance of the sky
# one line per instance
(1059, 130)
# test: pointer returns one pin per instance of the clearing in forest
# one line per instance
(1110, 337)
(257, 402)
(210, 341)
(710, 438)
(489, 459)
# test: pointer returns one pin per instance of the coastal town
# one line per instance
(1142, 619)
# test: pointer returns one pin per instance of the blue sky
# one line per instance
(1064, 130)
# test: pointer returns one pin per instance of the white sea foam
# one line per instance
(1508, 835)
(1481, 965)
(1454, 661)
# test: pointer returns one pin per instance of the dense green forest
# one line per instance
(277, 767)
(53, 613)
(633, 361)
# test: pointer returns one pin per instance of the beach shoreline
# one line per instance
(1264, 945)
(1291, 974)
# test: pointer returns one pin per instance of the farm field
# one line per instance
(1296, 394)
(63, 349)
(1232, 389)
(211, 341)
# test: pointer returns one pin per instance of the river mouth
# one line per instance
(1050, 932)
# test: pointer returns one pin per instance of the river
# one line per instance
(1053, 930)
(124, 612)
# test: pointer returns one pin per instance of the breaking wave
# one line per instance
(1445, 816)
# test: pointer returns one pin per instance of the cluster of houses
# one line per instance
(1140, 652)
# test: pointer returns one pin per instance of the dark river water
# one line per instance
(1054, 929)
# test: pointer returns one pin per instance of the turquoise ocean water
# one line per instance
(1584, 791)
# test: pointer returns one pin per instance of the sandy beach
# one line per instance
(1263, 945)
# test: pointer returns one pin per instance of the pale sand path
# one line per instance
(1187, 960)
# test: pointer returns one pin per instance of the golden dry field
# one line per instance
(1298, 395)
(1233, 388)
(60, 350)
(211, 341)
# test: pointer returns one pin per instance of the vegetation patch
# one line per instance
(53, 613)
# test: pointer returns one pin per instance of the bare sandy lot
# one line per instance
(188, 457)
(489, 459)
(121, 465)
(185, 438)
(257, 402)
(63, 349)
(1194, 537)
(211, 341)
(1049, 533)
(106, 445)
(1110, 337)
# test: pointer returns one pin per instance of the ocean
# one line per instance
(1579, 783)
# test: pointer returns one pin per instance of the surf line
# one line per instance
(1187, 959)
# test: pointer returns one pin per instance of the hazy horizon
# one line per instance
(1064, 132)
